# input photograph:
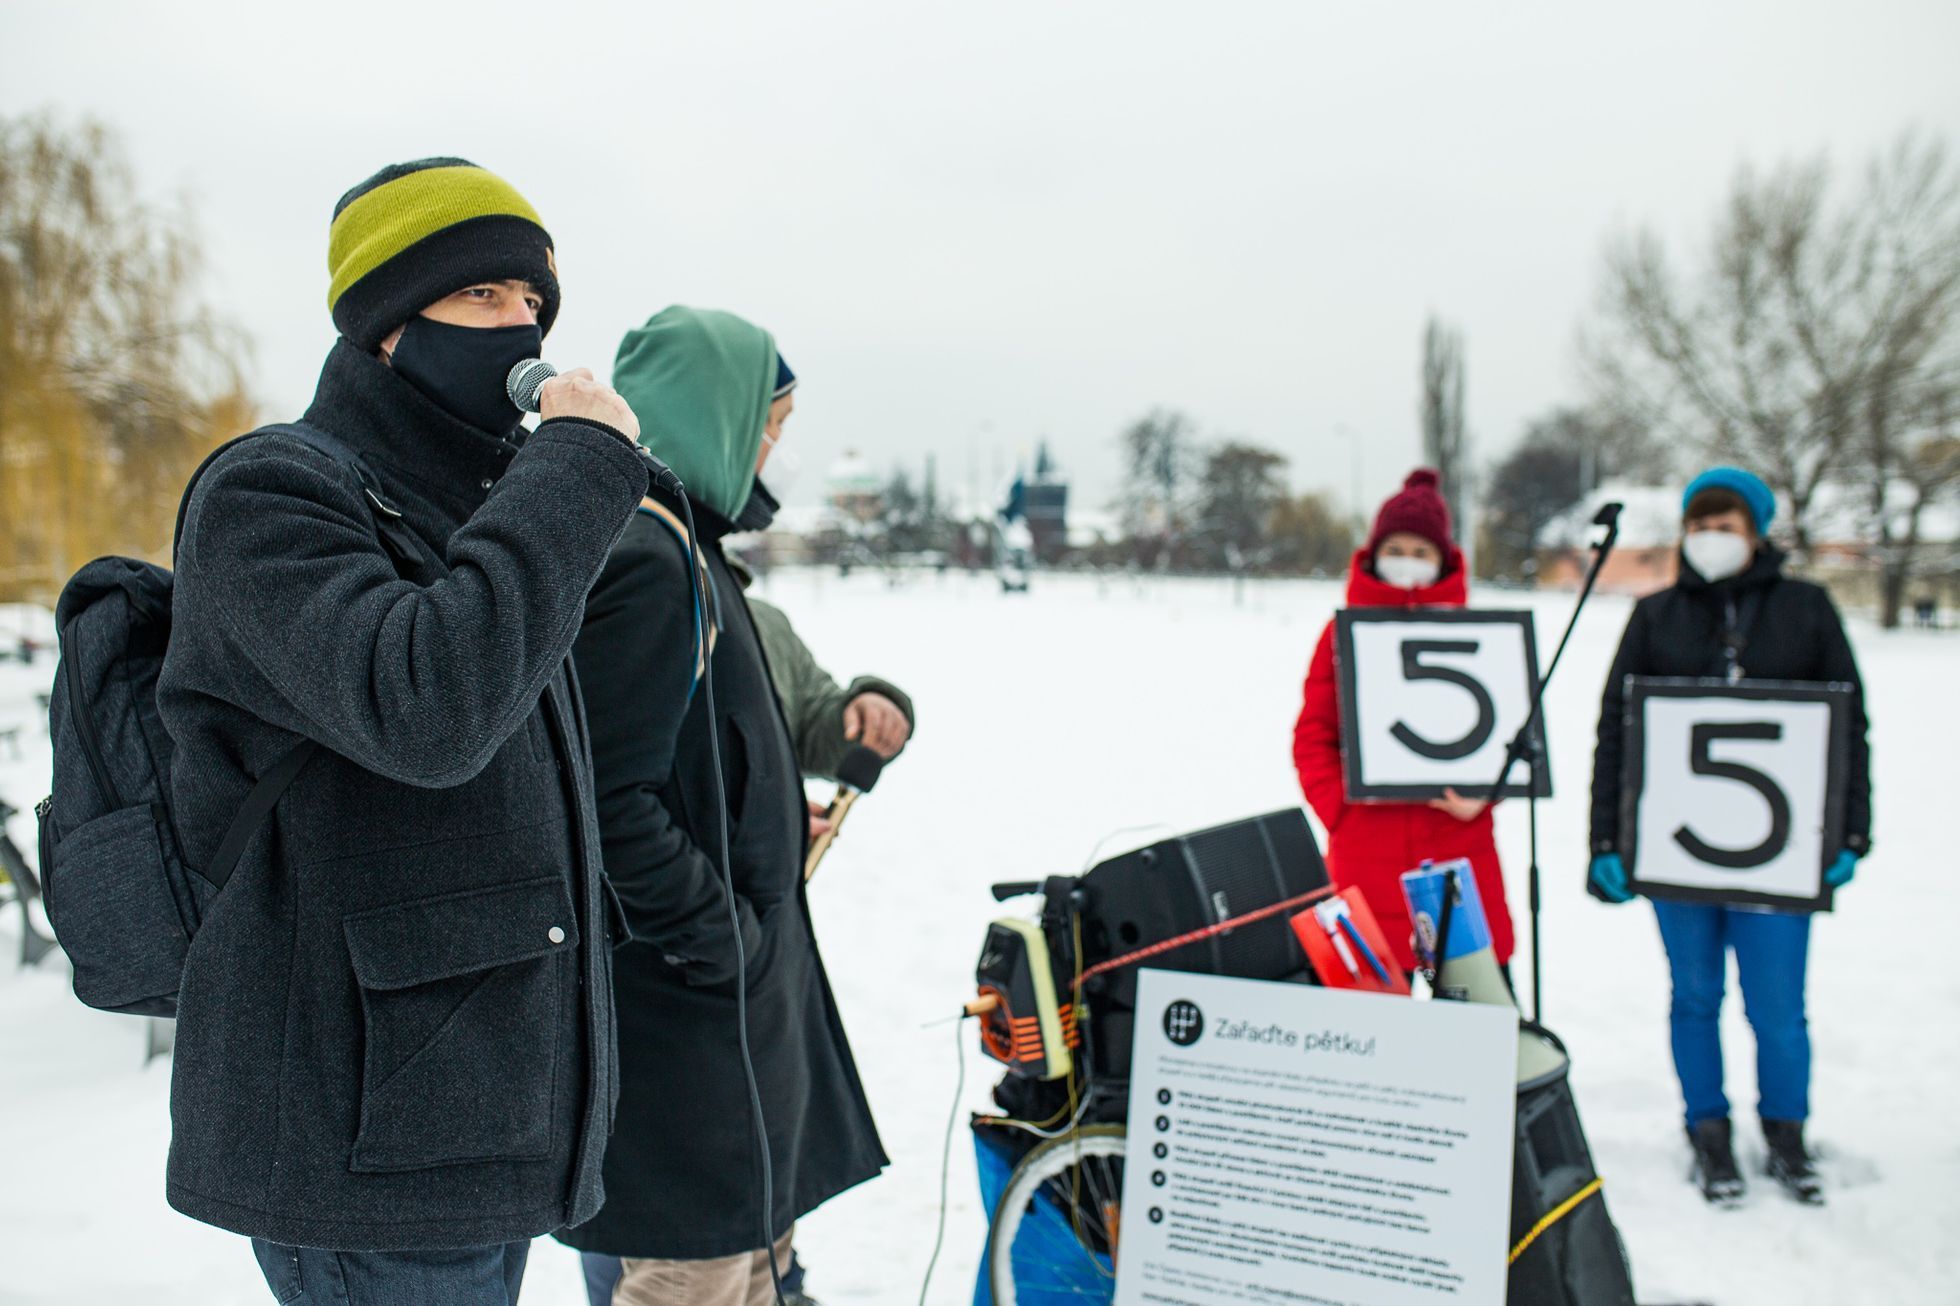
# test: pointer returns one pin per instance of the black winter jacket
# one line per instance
(393, 1028)
(680, 1176)
(1788, 630)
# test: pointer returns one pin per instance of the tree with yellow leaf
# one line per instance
(115, 380)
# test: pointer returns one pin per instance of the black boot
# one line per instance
(1715, 1169)
(1789, 1163)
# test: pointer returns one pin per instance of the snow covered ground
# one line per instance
(1057, 723)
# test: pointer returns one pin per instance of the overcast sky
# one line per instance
(974, 225)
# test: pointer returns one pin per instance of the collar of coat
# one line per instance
(362, 400)
(709, 525)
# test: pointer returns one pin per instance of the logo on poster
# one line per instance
(1183, 1023)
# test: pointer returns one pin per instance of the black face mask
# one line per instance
(463, 369)
(759, 511)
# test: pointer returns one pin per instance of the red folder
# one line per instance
(1346, 946)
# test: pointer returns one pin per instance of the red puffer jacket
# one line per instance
(1369, 845)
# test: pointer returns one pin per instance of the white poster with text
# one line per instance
(1318, 1146)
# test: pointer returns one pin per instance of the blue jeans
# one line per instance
(473, 1276)
(1771, 949)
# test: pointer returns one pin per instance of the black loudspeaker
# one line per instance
(1185, 884)
(1566, 1248)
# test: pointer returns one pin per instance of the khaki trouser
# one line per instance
(741, 1280)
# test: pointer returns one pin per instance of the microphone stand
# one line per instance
(1525, 746)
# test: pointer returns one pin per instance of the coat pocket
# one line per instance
(736, 768)
(463, 1002)
(108, 896)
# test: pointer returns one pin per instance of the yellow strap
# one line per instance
(664, 513)
(1553, 1216)
(655, 508)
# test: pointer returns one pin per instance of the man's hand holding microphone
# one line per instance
(535, 386)
(578, 394)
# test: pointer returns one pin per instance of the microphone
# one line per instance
(1609, 517)
(527, 379)
(856, 775)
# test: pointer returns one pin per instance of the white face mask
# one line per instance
(782, 469)
(1407, 573)
(1716, 555)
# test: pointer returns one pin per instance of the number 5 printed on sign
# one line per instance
(1735, 793)
(1704, 738)
(1430, 700)
(1415, 669)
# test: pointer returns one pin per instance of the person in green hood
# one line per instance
(683, 1203)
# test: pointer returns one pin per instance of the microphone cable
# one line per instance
(946, 1155)
(760, 1129)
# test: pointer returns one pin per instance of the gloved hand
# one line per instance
(1842, 869)
(1609, 876)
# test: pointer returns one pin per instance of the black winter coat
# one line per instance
(1784, 630)
(393, 1028)
(681, 1181)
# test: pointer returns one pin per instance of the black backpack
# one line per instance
(122, 900)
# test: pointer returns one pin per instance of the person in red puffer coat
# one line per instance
(1410, 561)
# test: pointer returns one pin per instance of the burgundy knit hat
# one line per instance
(1417, 508)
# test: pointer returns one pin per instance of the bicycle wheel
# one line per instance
(1055, 1233)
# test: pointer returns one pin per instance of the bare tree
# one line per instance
(1441, 413)
(1159, 459)
(1240, 489)
(1903, 447)
(1813, 342)
(1929, 474)
(114, 380)
(1311, 535)
(1564, 455)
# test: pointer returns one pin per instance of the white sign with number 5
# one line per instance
(1431, 699)
(1734, 792)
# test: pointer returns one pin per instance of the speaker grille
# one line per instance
(1185, 884)
(1235, 870)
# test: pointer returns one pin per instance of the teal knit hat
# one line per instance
(1746, 486)
(700, 381)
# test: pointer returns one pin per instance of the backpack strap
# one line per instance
(405, 549)
(258, 805)
(404, 546)
(707, 625)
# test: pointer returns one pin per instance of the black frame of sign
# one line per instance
(1633, 776)
(1539, 784)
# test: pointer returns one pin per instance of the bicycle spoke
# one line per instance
(1058, 1248)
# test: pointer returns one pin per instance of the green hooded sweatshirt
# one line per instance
(700, 382)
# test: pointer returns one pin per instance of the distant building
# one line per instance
(854, 489)
(1643, 560)
(1045, 506)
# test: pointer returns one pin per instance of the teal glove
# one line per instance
(1842, 869)
(1609, 876)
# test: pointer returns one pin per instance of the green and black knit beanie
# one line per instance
(416, 232)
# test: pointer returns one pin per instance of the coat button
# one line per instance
(487, 482)
(555, 934)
